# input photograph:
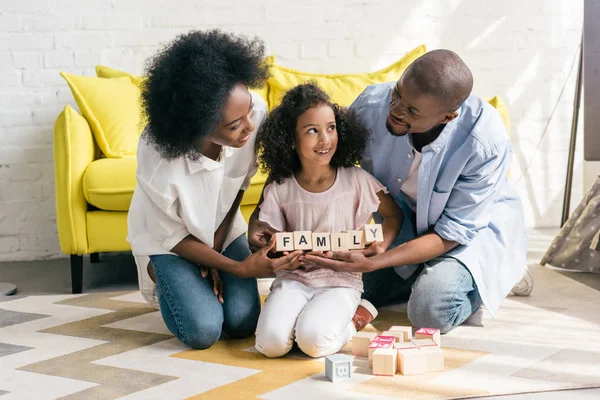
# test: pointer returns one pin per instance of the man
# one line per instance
(444, 155)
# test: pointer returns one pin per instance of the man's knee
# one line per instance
(423, 314)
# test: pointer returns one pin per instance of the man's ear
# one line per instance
(449, 117)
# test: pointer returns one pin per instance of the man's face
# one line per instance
(411, 111)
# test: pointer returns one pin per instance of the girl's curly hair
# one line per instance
(188, 83)
(277, 137)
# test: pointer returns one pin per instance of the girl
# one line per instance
(195, 159)
(310, 147)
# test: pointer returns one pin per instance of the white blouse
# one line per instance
(176, 198)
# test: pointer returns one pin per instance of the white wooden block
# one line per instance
(406, 329)
(377, 345)
(303, 240)
(338, 367)
(361, 342)
(285, 241)
(429, 333)
(373, 232)
(399, 335)
(321, 241)
(411, 360)
(424, 343)
(356, 240)
(384, 362)
(434, 358)
(339, 241)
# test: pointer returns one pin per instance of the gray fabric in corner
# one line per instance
(576, 247)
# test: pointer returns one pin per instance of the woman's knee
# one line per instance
(201, 335)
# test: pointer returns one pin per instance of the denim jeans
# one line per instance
(441, 293)
(189, 307)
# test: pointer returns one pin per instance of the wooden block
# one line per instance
(429, 333)
(321, 241)
(303, 240)
(361, 342)
(434, 358)
(338, 367)
(399, 335)
(356, 240)
(424, 343)
(406, 329)
(285, 241)
(339, 241)
(374, 346)
(411, 360)
(384, 362)
(384, 339)
(373, 232)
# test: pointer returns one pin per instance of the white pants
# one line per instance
(320, 320)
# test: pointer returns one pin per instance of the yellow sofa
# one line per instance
(94, 152)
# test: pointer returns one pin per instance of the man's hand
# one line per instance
(216, 281)
(259, 265)
(259, 234)
(340, 261)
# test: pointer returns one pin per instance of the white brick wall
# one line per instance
(520, 49)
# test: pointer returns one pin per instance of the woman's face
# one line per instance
(316, 135)
(236, 125)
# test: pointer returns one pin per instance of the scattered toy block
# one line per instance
(424, 343)
(429, 333)
(356, 240)
(338, 367)
(361, 342)
(411, 360)
(377, 345)
(384, 362)
(303, 240)
(321, 241)
(285, 241)
(399, 335)
(373, 232)
(434, 358)
(384, 339)
(339, 241)
(406, 329)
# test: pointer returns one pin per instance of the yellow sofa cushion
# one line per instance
(343, 88)
(108, 183)
(111, 106)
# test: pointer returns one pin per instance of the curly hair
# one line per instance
(188, 83)
(277, 137)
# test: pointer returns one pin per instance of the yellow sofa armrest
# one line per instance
(74, 150)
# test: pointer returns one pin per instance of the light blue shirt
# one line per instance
(464, 193)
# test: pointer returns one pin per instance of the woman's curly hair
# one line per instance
(188, 83)
(277, 138)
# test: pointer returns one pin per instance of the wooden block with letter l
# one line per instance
(339, 241)
(356, 240)
(284, 241)
(321, 241)
(373, 232)
(303, 240)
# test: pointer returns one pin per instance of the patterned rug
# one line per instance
(112, 345)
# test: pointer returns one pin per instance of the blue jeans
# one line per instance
(441, 293)
(189, 307)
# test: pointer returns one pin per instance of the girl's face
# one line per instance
(237, 125)
(316, 135)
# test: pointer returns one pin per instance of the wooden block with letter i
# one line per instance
(285, 241)
(339, 241)
(303, 240)
(321, 241)
(373, 232)
(356, 240)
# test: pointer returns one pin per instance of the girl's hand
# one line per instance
(216, 281)
(373, 249)
(259, 265)
(341, 261)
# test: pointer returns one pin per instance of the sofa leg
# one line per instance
(76, 273)
(95, 258)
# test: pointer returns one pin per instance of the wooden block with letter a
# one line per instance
(285, 241)
(373, 232)
(303, 240)
(321, 241)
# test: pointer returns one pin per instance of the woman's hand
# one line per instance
(259, 234)
(216, 281)
(340, 261)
